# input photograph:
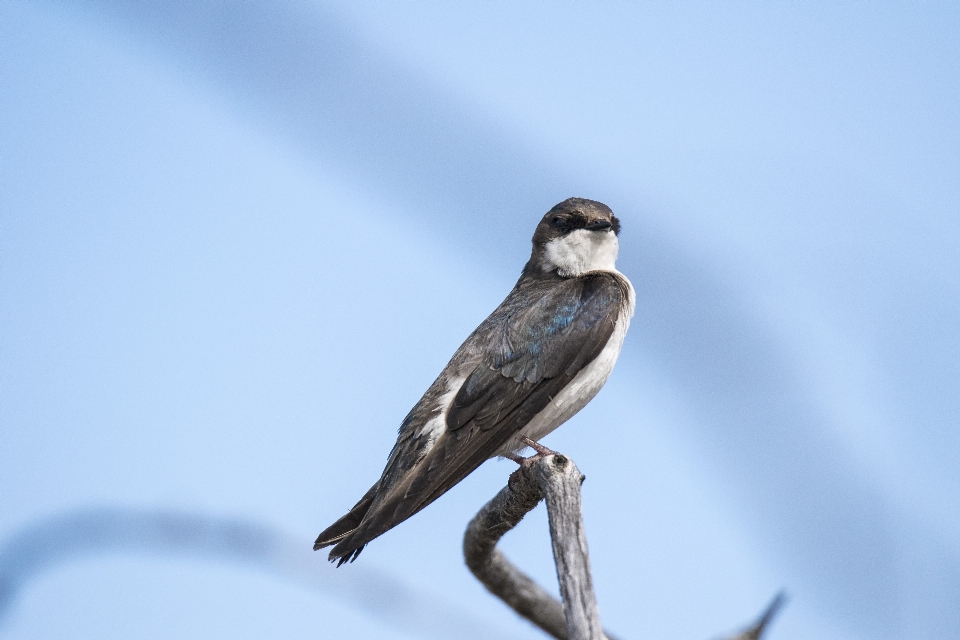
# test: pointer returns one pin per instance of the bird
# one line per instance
(538, 359)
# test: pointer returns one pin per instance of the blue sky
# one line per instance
(239, 240)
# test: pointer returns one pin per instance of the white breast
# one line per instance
(584, 386)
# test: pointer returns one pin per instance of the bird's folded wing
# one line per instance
(539, 344)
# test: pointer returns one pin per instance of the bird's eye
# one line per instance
(559, 222)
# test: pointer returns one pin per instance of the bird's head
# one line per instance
(574, 237)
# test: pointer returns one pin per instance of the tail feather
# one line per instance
(348, 523)
(349, 556)
(390, 511)
(348, 549)
(398, 502)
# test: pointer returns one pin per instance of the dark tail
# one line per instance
(368, 526)
(345, 526)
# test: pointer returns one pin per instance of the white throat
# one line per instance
(581, 251)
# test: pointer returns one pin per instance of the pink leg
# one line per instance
(533, 444)
(512, 456)
(536, 446)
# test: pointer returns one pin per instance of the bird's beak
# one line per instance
(598, 225)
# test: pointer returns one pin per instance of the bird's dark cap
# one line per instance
(573, 214)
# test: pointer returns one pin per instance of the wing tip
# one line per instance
(323, 541)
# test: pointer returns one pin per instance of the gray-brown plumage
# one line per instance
(532, 364)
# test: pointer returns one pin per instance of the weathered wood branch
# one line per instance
(555, 478)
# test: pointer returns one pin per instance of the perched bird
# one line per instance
(540, 357)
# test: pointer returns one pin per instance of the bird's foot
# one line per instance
(533, 444)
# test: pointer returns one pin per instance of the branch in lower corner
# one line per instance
(554, 478)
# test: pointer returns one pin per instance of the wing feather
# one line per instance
(530, 348)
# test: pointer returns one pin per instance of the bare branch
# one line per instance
(559, 479)
(553, 477)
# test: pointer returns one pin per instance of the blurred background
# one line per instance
(240, 239)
